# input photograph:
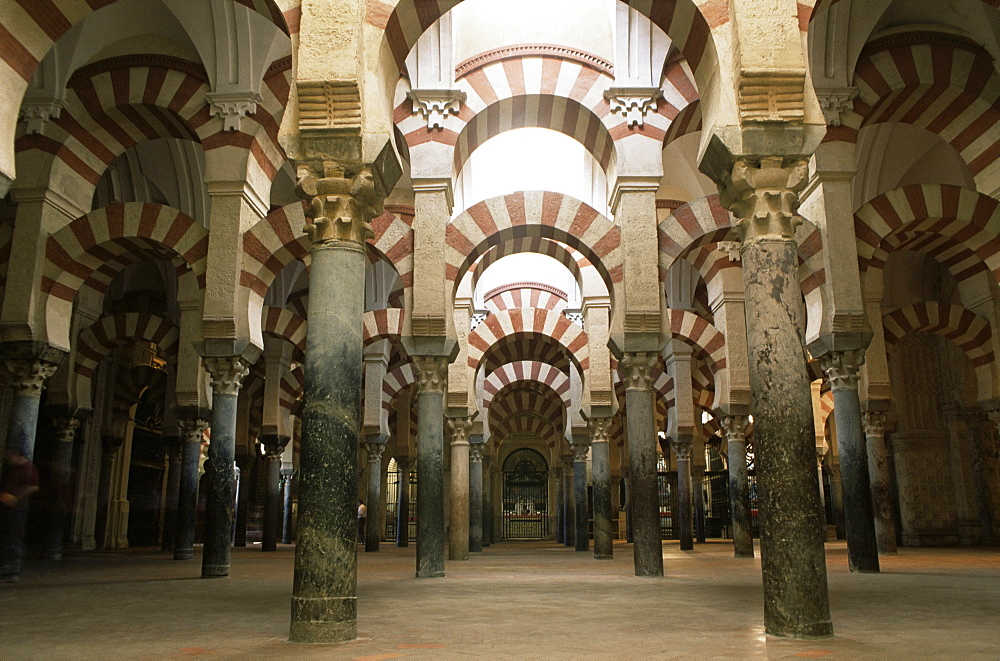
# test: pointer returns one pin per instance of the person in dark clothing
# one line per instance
(18, 482)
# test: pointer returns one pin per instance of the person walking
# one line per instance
(362, 516)
(19, 481)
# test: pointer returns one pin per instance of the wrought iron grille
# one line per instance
(392, 505)
(525, 496)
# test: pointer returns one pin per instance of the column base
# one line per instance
(817, 631)
(648, 572)
(215, 571)
(183, 555)
(604, 557)
(319, 622)
(740, 554)
(430, 574)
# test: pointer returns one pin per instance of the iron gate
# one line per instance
(525, 496)
(392, 504)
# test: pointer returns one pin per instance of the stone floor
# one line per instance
(515, 600)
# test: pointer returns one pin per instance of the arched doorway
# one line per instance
(525, 495)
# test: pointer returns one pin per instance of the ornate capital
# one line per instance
(435, 105)
(432, 374)
(341, 205)
(476, 451)
(765, 198)
(638, 368)
(192, 429)
(233, 106)
(227, 373)
(835, 101)
(600, 429)
(274, 446)
(842, 367)
(580, 451)
(374, 451)
(682, 449)
(873, 423)
(35, 112)
(28, 377)
(734, 427)
(460, 428)
(633, 102)
(66, 427)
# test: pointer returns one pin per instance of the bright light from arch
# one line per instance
(527, 267)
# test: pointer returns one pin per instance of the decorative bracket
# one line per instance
(436, 104)
(836, 101)
(233, 106)
(35, 112)
(633, 102)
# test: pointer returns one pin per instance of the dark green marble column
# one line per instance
(374, 447)
(878, 472)
(274, 447)
(432, 382)
(174, 452)
(734, 427)
(287, 481)
(764, 198)
(227, 373)
(60, 500)
(569, 521)
(403, 503)
(476, 493)
(581, 511)
(600, 463)
(192, 425)
(682, 517)
(488, 532)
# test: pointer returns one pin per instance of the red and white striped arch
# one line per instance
(699, 333)
(287, 325)
(971, 332)
(395, 381)
(386, 324)
(90, 251)
(893, 219)
(812, 8)
(525, 295)
(292, 390)
(533, 214)
(942, 83)
(394, 240)
(95, 342)
(551, 324)
(524, 346)
(526, 370)
(686, 122)
(557, 250)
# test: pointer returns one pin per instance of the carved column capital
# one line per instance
(633, 102)
(682, 449)
(192, 429)
(435, 105)
(66, 426)
(374, 450)
(28, 377)
(580, 451)
(476, 451)
(835, 101)
(638, 368)
(764, 197)
(734, 427)
(432, 374)
(842, 368)
(460, 428)
(600, 429)
(274, 446)
(227, 373)
(873, 423)
(341, 205)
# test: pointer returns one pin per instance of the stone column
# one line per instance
(698, 488)
(764, 198)
(560, 506)
(244, 463)
(458, 528)
(734, 427)
(569, 520)
(432, 374)
(682, 517)
(227, 373)
(581, 519)
(641, 430)
(286, 496)
(878, 473)
(403, 503)
(841, 369)
(27, 377)
(174, 452)
(192, 433)
(600, 463)
(60, 498)
(627, 477)
(274, 447)
(324, 589)
(488, 532)
(374, 446)
(475, 493)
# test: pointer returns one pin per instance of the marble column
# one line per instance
(560, 506)
(458, 521)
(476, 493)
(27, 377)
(682, 517)
(286, 515)
(274, 447)
(627, 478)
(192, 434)
(569, 521)
(174, 452)
(432, 375)
(581, 512)
(837, 500)
(324, 588)
(647, 548)
(244, 464)
(878, 473)
(842, 371)
(763, 196)
(734, 427)
(600, 462)
(59, 481)
(488, 521)
(403, 503)
(374, 447)
(698, 491)
(226, 373)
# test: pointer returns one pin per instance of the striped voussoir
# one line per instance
(710, 262)
(687, 27)
(526, 346)
(557, 250)
(395, 381)
(971, 332)
(699, 333)
(942, 83)
(386, 324)
(495, 327)
(533, 214)
(287, 325)
(825, 405)
(270, 245)
(95, 342)
(292, 389)
(526, 370)
(394, 240)
(815, 7)
(893, 219)
(526, 295)
(525, 425)
(686, 122)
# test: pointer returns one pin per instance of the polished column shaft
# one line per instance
(374, 446)
(600, 462)
(734, 427)
(476, 493)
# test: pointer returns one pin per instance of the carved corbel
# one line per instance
(633, 102)
(435, 105)
(835, 102)
(232, 107)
